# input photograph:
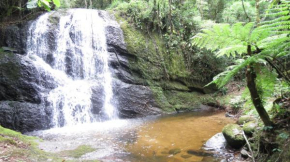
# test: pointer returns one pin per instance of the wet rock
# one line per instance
(233, 135)
(246, 118)
(244, 153)
(215, 143)
(186, 156)
(22, 89)
(250, 127)
(16, 37)
(21, 81)
(174, 151)
(199, 153)
(134, 100)
(114, 35)
(97, 99)
(24, 117)
(120, 68)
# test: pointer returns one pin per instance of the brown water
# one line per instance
(158, 140)
(152, 139)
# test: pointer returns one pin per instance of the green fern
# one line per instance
(270, 40)
(278, 45)
(231, 40)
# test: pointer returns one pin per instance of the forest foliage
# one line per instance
(226, 28)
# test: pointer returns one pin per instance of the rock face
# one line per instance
(24, 116)
(132, 99)
(135, 100)
(233, 135)
(15, 36)
(21, 94)
(24, 86)
(21, 81)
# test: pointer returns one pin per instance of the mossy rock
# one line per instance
(171, 85)
(233, 134)
(250, 127)
(245, 119)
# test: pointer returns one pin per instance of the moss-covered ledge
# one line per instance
(162, 70)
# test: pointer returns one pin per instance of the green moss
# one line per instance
(22, 147)
(167, 85)
(154, 61)
(233, 135)
(13, 134)
(161, 99)
(245, 119)
(78, 152)
(250, 127)
(187, 100)
(4, 139)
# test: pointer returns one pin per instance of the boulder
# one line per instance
(245, 118)
(22, 93)
(250, 127)
(215, 143)
(134, 100)
(24, 117)
(21, 81)
(233, 135)
(244, 153)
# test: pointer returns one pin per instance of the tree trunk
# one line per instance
(170, 17)
(256, 99)
(91, 4)
(86, 5)
(258, 19)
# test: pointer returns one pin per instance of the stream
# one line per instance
(168, 138)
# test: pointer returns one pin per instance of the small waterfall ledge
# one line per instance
(73, 68)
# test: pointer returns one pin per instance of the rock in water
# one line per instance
(233, 134)
(215, 143)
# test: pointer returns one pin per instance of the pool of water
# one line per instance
(170, 138)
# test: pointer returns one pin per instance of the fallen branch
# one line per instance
(253, 158)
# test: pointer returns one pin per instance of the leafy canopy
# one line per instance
(42, 3)
(270, 40)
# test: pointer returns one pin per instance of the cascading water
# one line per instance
(71, 46)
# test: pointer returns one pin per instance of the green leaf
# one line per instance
(57, 3)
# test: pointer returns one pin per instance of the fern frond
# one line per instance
(223, 78)
(230, 39)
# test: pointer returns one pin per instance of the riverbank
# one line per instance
(157, 138)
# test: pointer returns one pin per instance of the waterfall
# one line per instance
(71, 46)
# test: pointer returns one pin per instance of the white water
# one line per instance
(71, 47)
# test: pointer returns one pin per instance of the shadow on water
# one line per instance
(169, 138)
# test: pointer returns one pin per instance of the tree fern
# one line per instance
(231, 40)
(278, 45)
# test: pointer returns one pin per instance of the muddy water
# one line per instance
(170, 138)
